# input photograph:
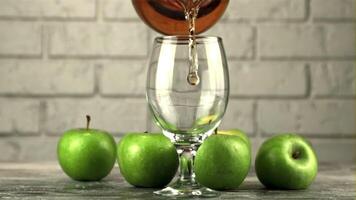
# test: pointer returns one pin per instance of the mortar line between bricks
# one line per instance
(308, 81)
(97, 80)
(42, 117)
(32, 57)
(96, 57)
(319, 59)
(22, 135)
(39, 96)
(318, 136)
(257, 45)
(294, 98)
(98, 11)
(46, 19)
(263, 21)
(115, 20)
(255, 120)
(56, 96)
(142, 96)
(45, 42)
(333, 21)
(257, 128)
(308, 11)
(267, 97)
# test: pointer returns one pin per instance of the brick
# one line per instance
(28, 149)
(333, 79)
(10, 150)
(267, 79)
(287, 41)
(19, 115)
(20, 38)
(333, 9)
(48, 9)
(126, 77)
(280, 41)
(98, 40)
(266, 10)
(238, 40)
(113, 115)
(341, 40)
(36, 149)
(53, 77)
(310, 117)
(118, 9)
(335, 150)
(239, 115)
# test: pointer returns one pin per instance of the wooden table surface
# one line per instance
(47, 181)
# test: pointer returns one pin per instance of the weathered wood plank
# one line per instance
(47, 181)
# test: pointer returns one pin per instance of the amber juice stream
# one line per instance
(191, 10)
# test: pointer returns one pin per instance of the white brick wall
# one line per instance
(333, 9)
(267, 10)
(268, 79)
(20, 39)
(124, 77)
(48, 9)
(98, 40)
(19, 116)
(314, 117)
(114, 115)
(292, 69)
(333, 79)
(36, 77)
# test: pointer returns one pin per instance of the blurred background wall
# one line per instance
(291, 62)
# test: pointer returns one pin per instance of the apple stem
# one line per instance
(296, 154)
(146, 132)
(216, 131)
(88, 121)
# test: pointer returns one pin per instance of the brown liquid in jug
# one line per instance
(168, 17)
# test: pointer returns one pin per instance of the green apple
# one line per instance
(206, 120)
(223, 161)
(238, 133)
(147, 160)
(86, 154)
(286, 161)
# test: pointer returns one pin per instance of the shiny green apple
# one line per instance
(223, 161)
(238, 133)
(147, 159)
(86, 154)
(206, 120)
(286, 161)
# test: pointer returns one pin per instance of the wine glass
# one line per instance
(187, 113)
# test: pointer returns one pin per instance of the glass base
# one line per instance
(187, 189)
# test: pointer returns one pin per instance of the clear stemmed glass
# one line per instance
(187, 113)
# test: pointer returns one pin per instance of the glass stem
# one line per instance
(186, 162)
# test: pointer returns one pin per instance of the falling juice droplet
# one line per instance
(193, 77)
(191, 9)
